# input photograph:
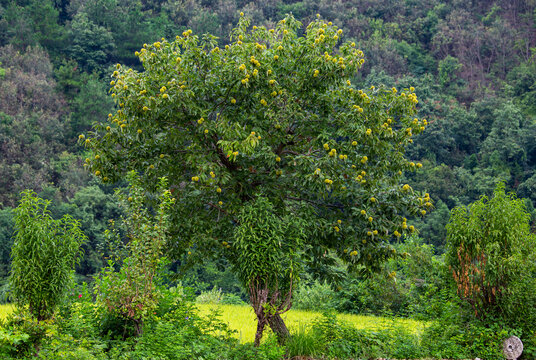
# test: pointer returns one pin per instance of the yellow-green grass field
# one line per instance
(5, 310)
(242, 319)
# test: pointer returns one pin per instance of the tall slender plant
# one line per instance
(132, 291)
(43, 255)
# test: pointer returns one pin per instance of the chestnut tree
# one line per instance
(268, 126)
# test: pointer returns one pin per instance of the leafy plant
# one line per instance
(132, 291)
(490, 253)
(318, 296)
(213, 296)
(44, 254)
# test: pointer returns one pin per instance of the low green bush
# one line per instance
(232, 299)
(214, 296)
(318, 296)
(330, 338)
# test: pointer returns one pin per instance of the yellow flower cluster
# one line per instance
(413, 98)
(254, 61)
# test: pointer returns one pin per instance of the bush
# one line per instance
(406, 286)
(318, 296)
(232, 299)
(131, 292)
(330, 338)
(492, 259)
(214, 296)
(44, 254)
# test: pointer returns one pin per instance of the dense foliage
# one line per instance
(43, 254)
(492, 259)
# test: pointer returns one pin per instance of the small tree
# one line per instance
(491, 256)
(44, 254)
(272, 115)
(132, 291)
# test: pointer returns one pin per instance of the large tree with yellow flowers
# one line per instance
(272, 154)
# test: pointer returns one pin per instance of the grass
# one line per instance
(242, 319)
(5, 310)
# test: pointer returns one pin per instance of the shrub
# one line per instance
(232, 299)
(213, 296)
(44, 254)
(318, 296)
(491, 256)
(131, 293)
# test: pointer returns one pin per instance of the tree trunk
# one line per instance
(279, 328)
(258, 334)
(138, 325)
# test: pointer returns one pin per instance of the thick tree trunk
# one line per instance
(279, 328)
(258, 334)
(268, 308)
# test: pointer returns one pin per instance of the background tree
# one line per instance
(43, 255)
(271, 115)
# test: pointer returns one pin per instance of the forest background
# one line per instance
(473, 64)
